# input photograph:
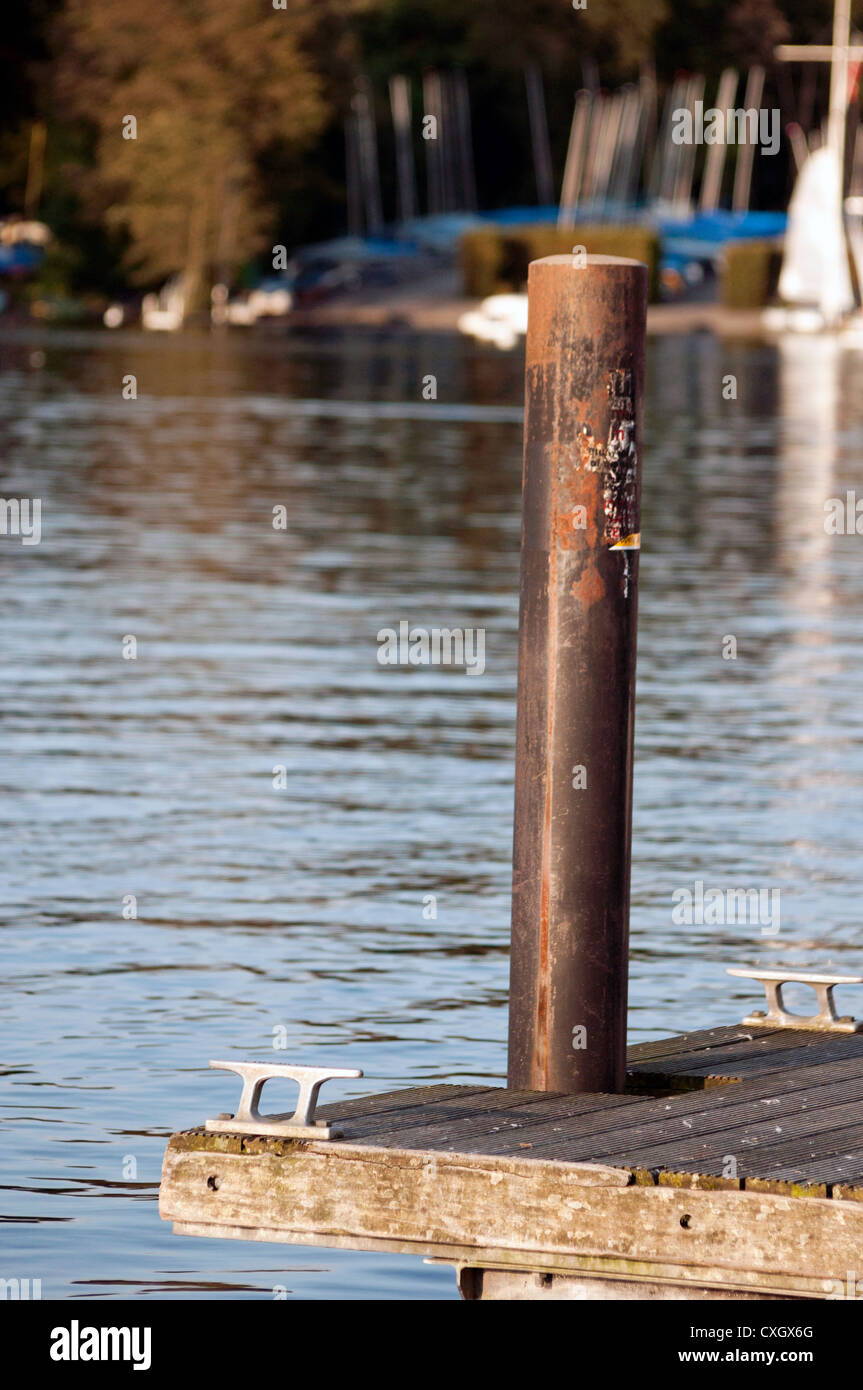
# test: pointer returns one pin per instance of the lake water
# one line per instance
(296, 914)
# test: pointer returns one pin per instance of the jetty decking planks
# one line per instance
(768, 1051)
(598, 1186)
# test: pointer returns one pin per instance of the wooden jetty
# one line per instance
(726, 1163)
(536, 1194)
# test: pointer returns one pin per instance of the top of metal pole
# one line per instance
(578, 262)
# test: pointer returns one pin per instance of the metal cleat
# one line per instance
(777, 1016)
(299, 1125)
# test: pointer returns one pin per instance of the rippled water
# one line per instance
(296, 914)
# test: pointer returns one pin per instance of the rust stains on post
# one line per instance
(576, 685)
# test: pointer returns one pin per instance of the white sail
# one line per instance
(815, 265)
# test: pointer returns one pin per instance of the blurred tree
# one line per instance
(755, 29)
(210, 86)
(24, 57)
(700, 36)
(502, 34)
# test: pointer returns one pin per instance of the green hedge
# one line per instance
(494, 260)
(750, 273)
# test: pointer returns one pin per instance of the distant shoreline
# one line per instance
(411, 313)
(424, 315)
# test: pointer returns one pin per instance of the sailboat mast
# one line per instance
(839, 82)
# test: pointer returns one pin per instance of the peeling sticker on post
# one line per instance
(620, 489)
(617, 462)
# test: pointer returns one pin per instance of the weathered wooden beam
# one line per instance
(509, 1213)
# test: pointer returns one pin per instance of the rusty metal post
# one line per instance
(576, 675)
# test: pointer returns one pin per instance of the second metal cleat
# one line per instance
(777, 1016)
